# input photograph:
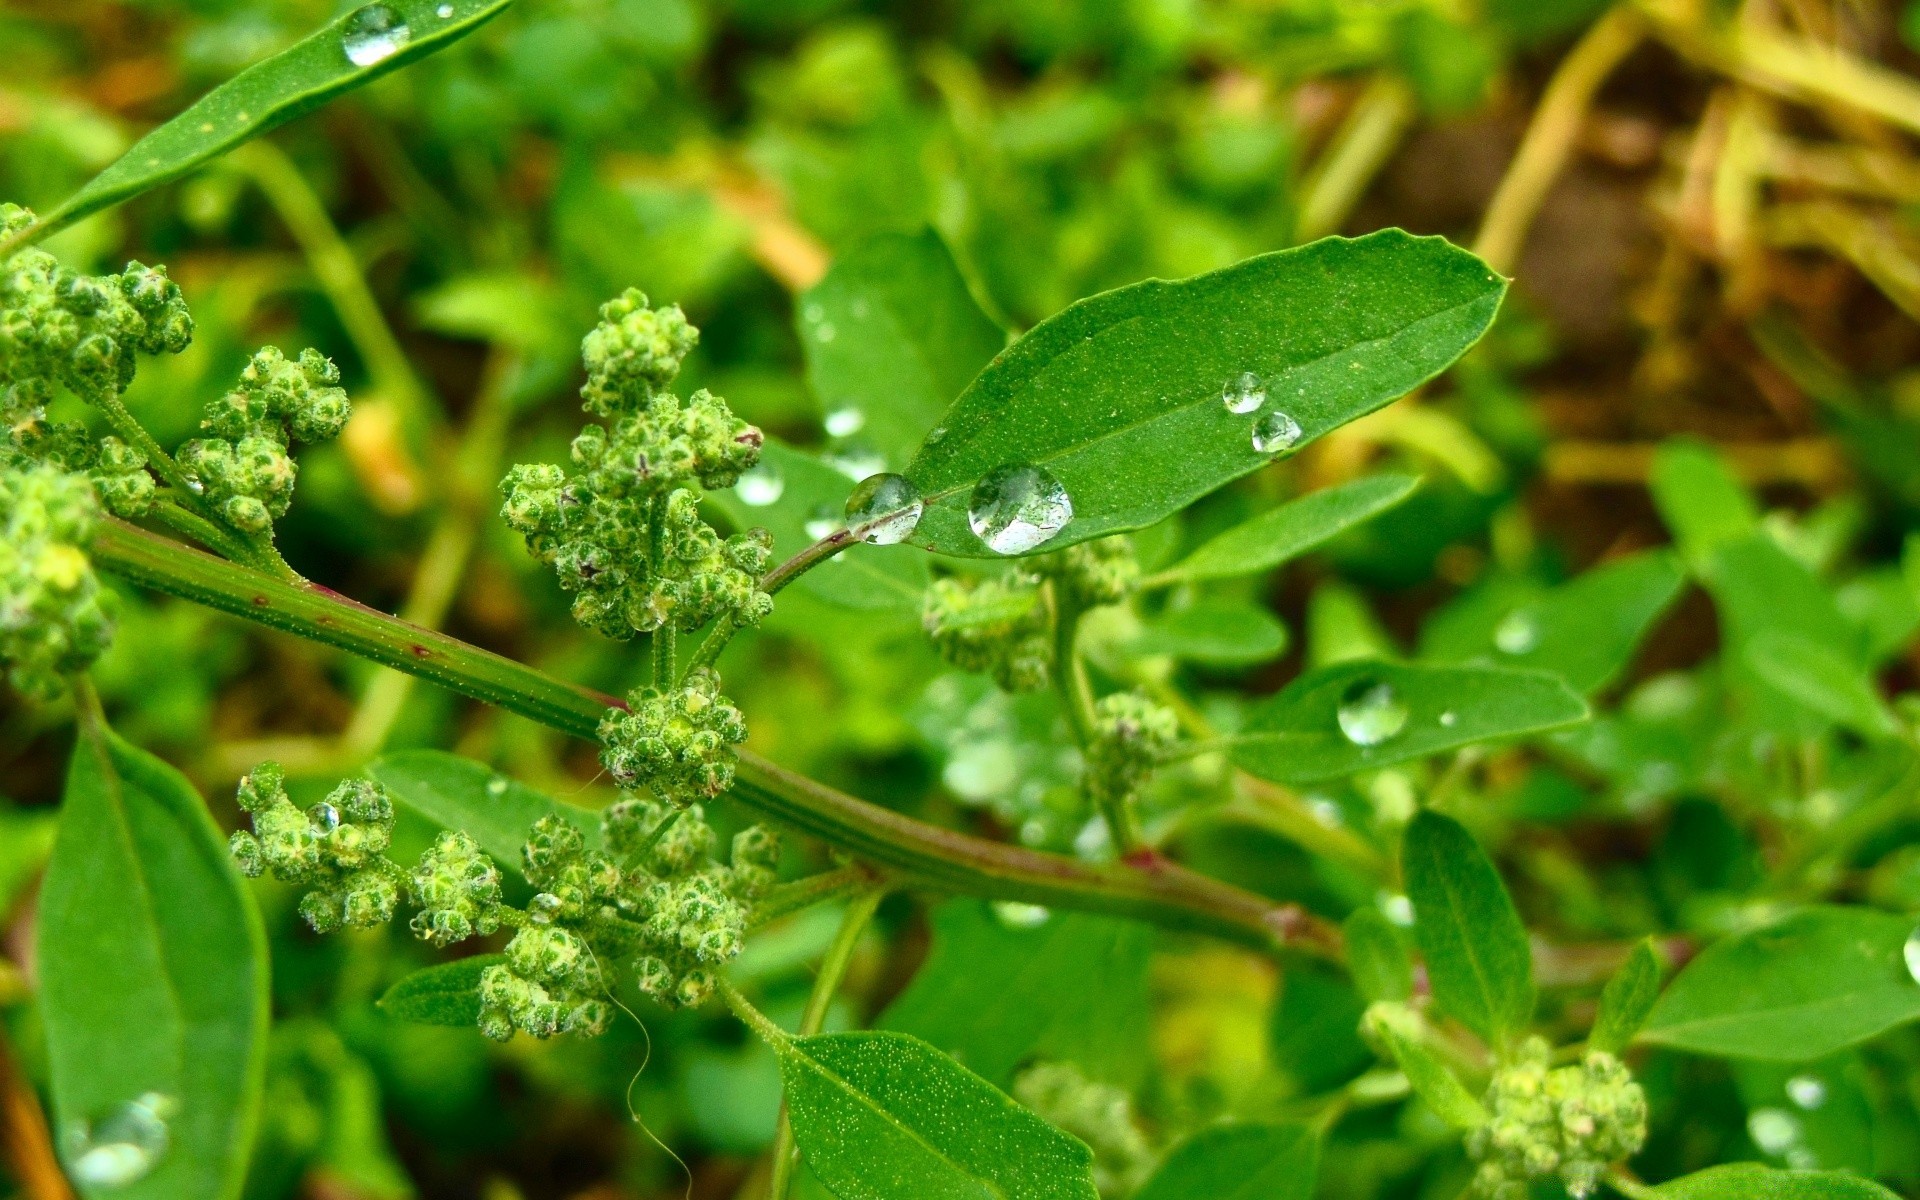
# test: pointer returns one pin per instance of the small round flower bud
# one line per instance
(1093, 573)
(1130, 732)
(676, 743)
(1571, 1122)
(54, 616)
(458, 890)
(999, 626)
(247, 856)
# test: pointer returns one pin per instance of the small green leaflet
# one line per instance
(1377, 956)
(1802, 988)
(1438, 1088)
(1822, 680)
(791, 490)
(1627, 1000)
(153, 974)
(1751, 1181)
(458, 793)
(885, 1116)
(1698, 496)
(891, 336)
(1120, 397)
(1356, 716)
(1469, 932)
(1215, 632)
(353, 50)
(1283, 534)
(1239, 1162)
(446, 994)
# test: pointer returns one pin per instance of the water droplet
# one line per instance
(1015, 508)
(1808, 1091)
(325, 817)
(543, 908)
(845, 421)
(1398, 909)
(823, 523)
(825, 331)
(1015, 915)
(1244, 393)
(1517, 633)
(444, 11)
(1774, 1130)
(497, 786)
(374, 34)
(123, 1148)
(761, 485)
(1275, 433)
(886, 506)
(938, 435)
(1371, 712)
(1449, 718)
(1912, 952)
(1326, 811)
(857, 462)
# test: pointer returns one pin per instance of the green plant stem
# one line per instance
(753, 1018)
(1069, 670)
(1157, 890)
(771, 583)
(791, 897)
(833, 968)
(178, 517)
(1620, 1180)
(1359, 148)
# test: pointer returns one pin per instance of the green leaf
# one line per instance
(1438, 1088)
(1119, 397)
(1072, 988)
(272, 92)
(1285, 533)
(1699, 497)
(1217, 632)
(893, 335)
(1377, 956)
(1826, 682)
(459, 793)
(885, 1116)
(792, 489)
(1751, 1181)
(153, 971)
(1627, 1000)
(1469, 932)
(1316, 1028)
(446, 994)
(1814, 983)
(1239, 1162)
(1299, 736)
(1584, 631)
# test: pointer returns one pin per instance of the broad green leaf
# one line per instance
(1814, 1113)
(891, 336)
(1357, 716)
(1751, 1181)
(1239, 1162)
(791, 491)
(445, 994)
(1584, 631)
(353, 50)
(459, 793)
(1757, 586)
(1073, 987)
(153, 972)
(1814, 983)
(1627, 1000)
(1823, 681)
(1700, 499)
(1216, 632)
(1469, 932)
(1316, 1028)
(1438, 1088)
(1285, 533)
(885, 1116)
(1120, 397)
(1377, 956)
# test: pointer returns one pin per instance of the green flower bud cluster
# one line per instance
(998, 625)
(54, 617)
(624, 534)
(691, 911)
(1571, 1122)
(1130, 732)
(244, 469)
(1099, 1115)
(59, 327)
(458, 890)
(676, 742)
(1093, 573)
(550, 983)
(337, 847)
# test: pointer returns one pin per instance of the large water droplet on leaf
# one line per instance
(373, 34)
(886, 507)
(1275, 433)
(1370, 712)
(1016, 508)
(1244, 393)
(760, 486)
(1517, 633)
(123, 1148)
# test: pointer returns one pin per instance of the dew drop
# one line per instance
(1775, 1130)
(124, 1147)
(1015, 915)
(1517, 633)
(938, 435)
(1371, 712)
(1275, 433)
(761, 485)
(444, 11)
(374, 34)
(1244, 393)
(497, 786)
(1807, 1091)
(826, 332)
(325, 817)
(886, 506)
(1449, 718)
(1015, 508)
(845, 421)
(1912, 953)
(1397, 908)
